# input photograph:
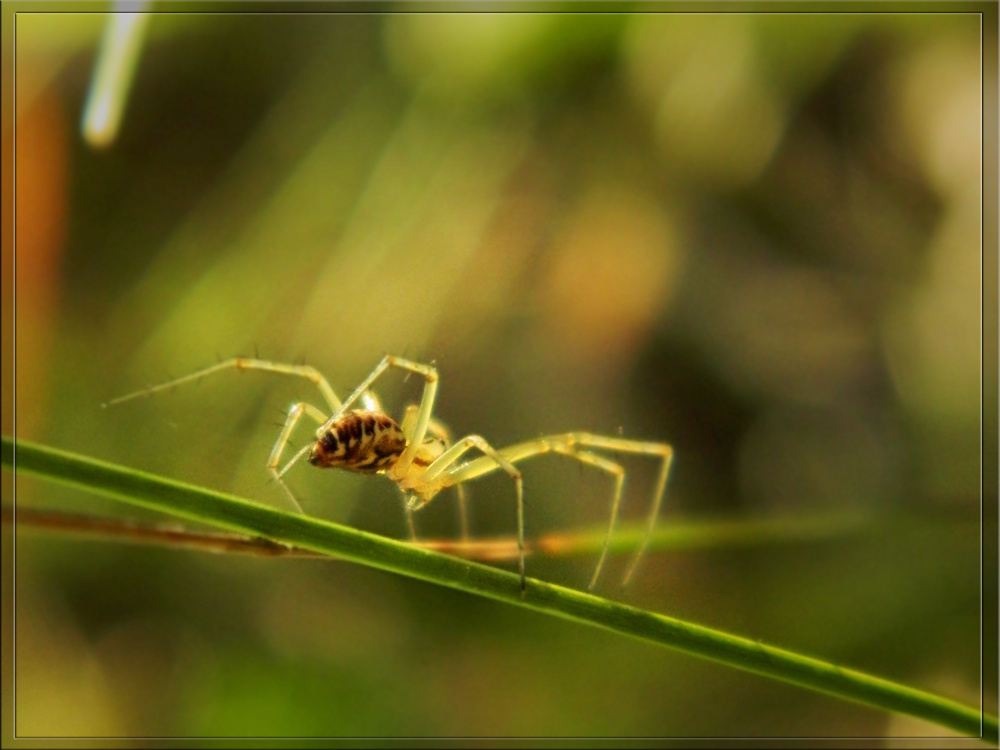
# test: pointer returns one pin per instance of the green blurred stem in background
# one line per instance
(229, 512)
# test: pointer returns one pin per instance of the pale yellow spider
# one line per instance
(418, 454)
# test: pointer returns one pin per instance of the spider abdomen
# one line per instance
(362, 441)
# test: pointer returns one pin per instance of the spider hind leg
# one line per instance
(572, 444)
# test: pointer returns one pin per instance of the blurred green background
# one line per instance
(755, 236)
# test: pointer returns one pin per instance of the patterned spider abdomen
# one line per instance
(362, 441)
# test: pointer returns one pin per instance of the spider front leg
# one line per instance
(240, 364)
(274, 460)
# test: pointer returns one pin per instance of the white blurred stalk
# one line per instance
(116, 64)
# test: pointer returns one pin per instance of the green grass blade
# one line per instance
(226, 511)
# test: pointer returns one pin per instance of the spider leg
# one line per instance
(463, 511)
(242, 363)
(616, 470)
(408, 510)
(294, 414)
(438, 429)
(542, 446)
(568, 444)
(496, 460)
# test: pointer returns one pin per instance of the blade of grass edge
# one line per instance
(218, 509)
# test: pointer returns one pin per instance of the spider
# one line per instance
(418, 454)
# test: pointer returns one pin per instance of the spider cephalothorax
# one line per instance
(419, 455)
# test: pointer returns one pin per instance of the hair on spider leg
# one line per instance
(149, 388)
(276, 412)
(271, 480)
(408, 373)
